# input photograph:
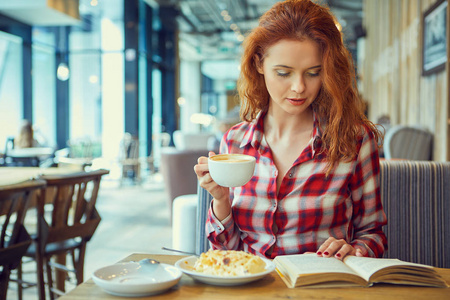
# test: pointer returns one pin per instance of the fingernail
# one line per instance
(325, 253)
(319, 253)
(338, 254)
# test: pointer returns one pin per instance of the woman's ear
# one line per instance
(258, 63)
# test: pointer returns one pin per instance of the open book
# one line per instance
(310, 270)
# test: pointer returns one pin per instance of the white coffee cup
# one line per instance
(231, 170)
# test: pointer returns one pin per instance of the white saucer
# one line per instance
(134, 280)
(186, 265)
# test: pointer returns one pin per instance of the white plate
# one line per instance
(134, 280)
(187, 266)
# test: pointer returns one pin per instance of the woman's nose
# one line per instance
(298, 85)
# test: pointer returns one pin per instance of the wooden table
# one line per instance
(13, 175)
(270, 287)
(31, 152)
(30, 156)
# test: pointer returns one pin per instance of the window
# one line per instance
(44, 98)
(11, 86)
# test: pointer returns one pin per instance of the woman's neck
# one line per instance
(279, 124)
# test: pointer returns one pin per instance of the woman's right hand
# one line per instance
(221, 195)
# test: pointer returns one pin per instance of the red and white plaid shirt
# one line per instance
(309, 207)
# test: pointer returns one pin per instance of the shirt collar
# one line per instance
(255, 131)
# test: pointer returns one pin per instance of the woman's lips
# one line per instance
(296, 101)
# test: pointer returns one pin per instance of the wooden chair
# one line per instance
(129, 159)
(177, 170)
(14, 239)
(9, 145)
(66, 229)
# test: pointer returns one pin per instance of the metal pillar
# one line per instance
(131, 66)
(62, 87)
(168, 52)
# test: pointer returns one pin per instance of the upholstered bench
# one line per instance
(416, 199)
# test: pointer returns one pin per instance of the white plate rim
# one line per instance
(144, 288)
(222, 280)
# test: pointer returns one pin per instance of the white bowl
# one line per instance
(131, 279)
(187, 266)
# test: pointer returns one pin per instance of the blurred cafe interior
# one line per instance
(86, 72)
(142, 88)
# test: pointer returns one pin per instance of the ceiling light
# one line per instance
(63, 72)
(130, 54)
(93, 79)
(212, 109)
(181, 101)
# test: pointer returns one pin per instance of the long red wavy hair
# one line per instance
(339, 108)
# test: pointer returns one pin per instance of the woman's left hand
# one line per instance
(338, 248)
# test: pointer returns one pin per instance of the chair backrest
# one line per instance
(14, 239)
(72, 198)
(408, 142)
(9, 145)
(165, 139)
(191, 141)
(129, 147)
(177, 169)
(416, 199)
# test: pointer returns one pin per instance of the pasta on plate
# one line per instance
(229, 263)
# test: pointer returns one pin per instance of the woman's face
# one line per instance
(292, 73)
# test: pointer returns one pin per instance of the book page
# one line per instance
(313, 264)
(367, 266)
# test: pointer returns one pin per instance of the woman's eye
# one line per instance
(282, 73)
(313, 74)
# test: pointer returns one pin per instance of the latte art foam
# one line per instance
(229, 158)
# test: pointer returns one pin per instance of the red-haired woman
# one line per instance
(316, 181)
